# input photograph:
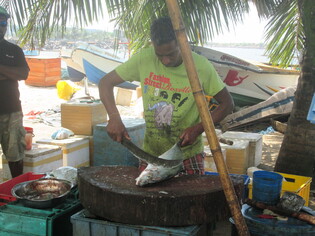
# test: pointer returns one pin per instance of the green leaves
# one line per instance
(203, 19)
(284, 34)
(35, 20)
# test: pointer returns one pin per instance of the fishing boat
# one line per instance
(93, 63)
(249, 82)
(75, 71)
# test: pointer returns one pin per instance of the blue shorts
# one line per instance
(12, 136)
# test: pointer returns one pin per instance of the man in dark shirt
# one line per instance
(13, 67)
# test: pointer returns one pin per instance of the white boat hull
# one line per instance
(251, 82)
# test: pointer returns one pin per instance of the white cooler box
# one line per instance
(255, 144)
(41, 158)
(76, 151)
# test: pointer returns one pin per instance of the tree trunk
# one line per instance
(297, 153)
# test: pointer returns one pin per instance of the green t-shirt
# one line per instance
(168, 102)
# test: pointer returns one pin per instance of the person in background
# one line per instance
(13, 67)
(170, 110)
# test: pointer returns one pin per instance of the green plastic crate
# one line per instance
(84, 226)
(15, 219)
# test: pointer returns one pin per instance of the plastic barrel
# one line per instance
(267, 187)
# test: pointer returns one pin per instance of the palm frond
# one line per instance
(265, 8)
(35, 20)
(203, 18)
(284, 34)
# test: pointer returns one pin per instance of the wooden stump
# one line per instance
(110, 192)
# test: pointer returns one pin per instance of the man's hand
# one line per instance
(117, 130)
(115, 127)
(190, 135)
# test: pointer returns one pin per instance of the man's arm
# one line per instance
(226, 106)
(115, 127)
(13, 72)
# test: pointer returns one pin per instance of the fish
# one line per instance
(160, 168)
(153, 174)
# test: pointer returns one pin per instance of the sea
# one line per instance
(251, 54)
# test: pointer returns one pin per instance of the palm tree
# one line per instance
(298, 148)
(289, 30)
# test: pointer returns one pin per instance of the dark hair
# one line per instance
(162, 31)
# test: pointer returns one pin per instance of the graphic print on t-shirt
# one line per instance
(164, 99)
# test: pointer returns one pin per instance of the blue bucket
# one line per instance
(267, 187)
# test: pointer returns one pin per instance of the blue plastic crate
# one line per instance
(84, 226)
(246, 182)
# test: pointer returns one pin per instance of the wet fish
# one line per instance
(170, 158)
(154, 174)
(159, 168)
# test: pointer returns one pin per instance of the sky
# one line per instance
(250, 31)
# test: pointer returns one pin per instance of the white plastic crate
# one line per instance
(83, 226)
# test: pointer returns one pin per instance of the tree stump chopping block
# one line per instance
(110, 192)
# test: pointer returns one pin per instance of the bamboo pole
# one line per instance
(206, 119)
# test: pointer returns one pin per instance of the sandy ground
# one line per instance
(41, 107)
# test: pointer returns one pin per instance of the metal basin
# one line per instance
(42, 193)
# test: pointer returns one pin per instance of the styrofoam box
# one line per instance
(123, 96)
(237, 156)
(81, 117)
(91, 147)
(255, 144)
(204, 137)
(40, 159)
(75, 150)
(209, 160)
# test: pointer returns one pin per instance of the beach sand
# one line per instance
(41, 107)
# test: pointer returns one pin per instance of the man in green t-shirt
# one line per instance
(170, 110)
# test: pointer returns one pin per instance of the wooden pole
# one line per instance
(206, 119)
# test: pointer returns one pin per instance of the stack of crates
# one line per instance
(16, 219)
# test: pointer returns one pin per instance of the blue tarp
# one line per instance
(311, 112)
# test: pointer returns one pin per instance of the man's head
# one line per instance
(4, 15)
(164, 41)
